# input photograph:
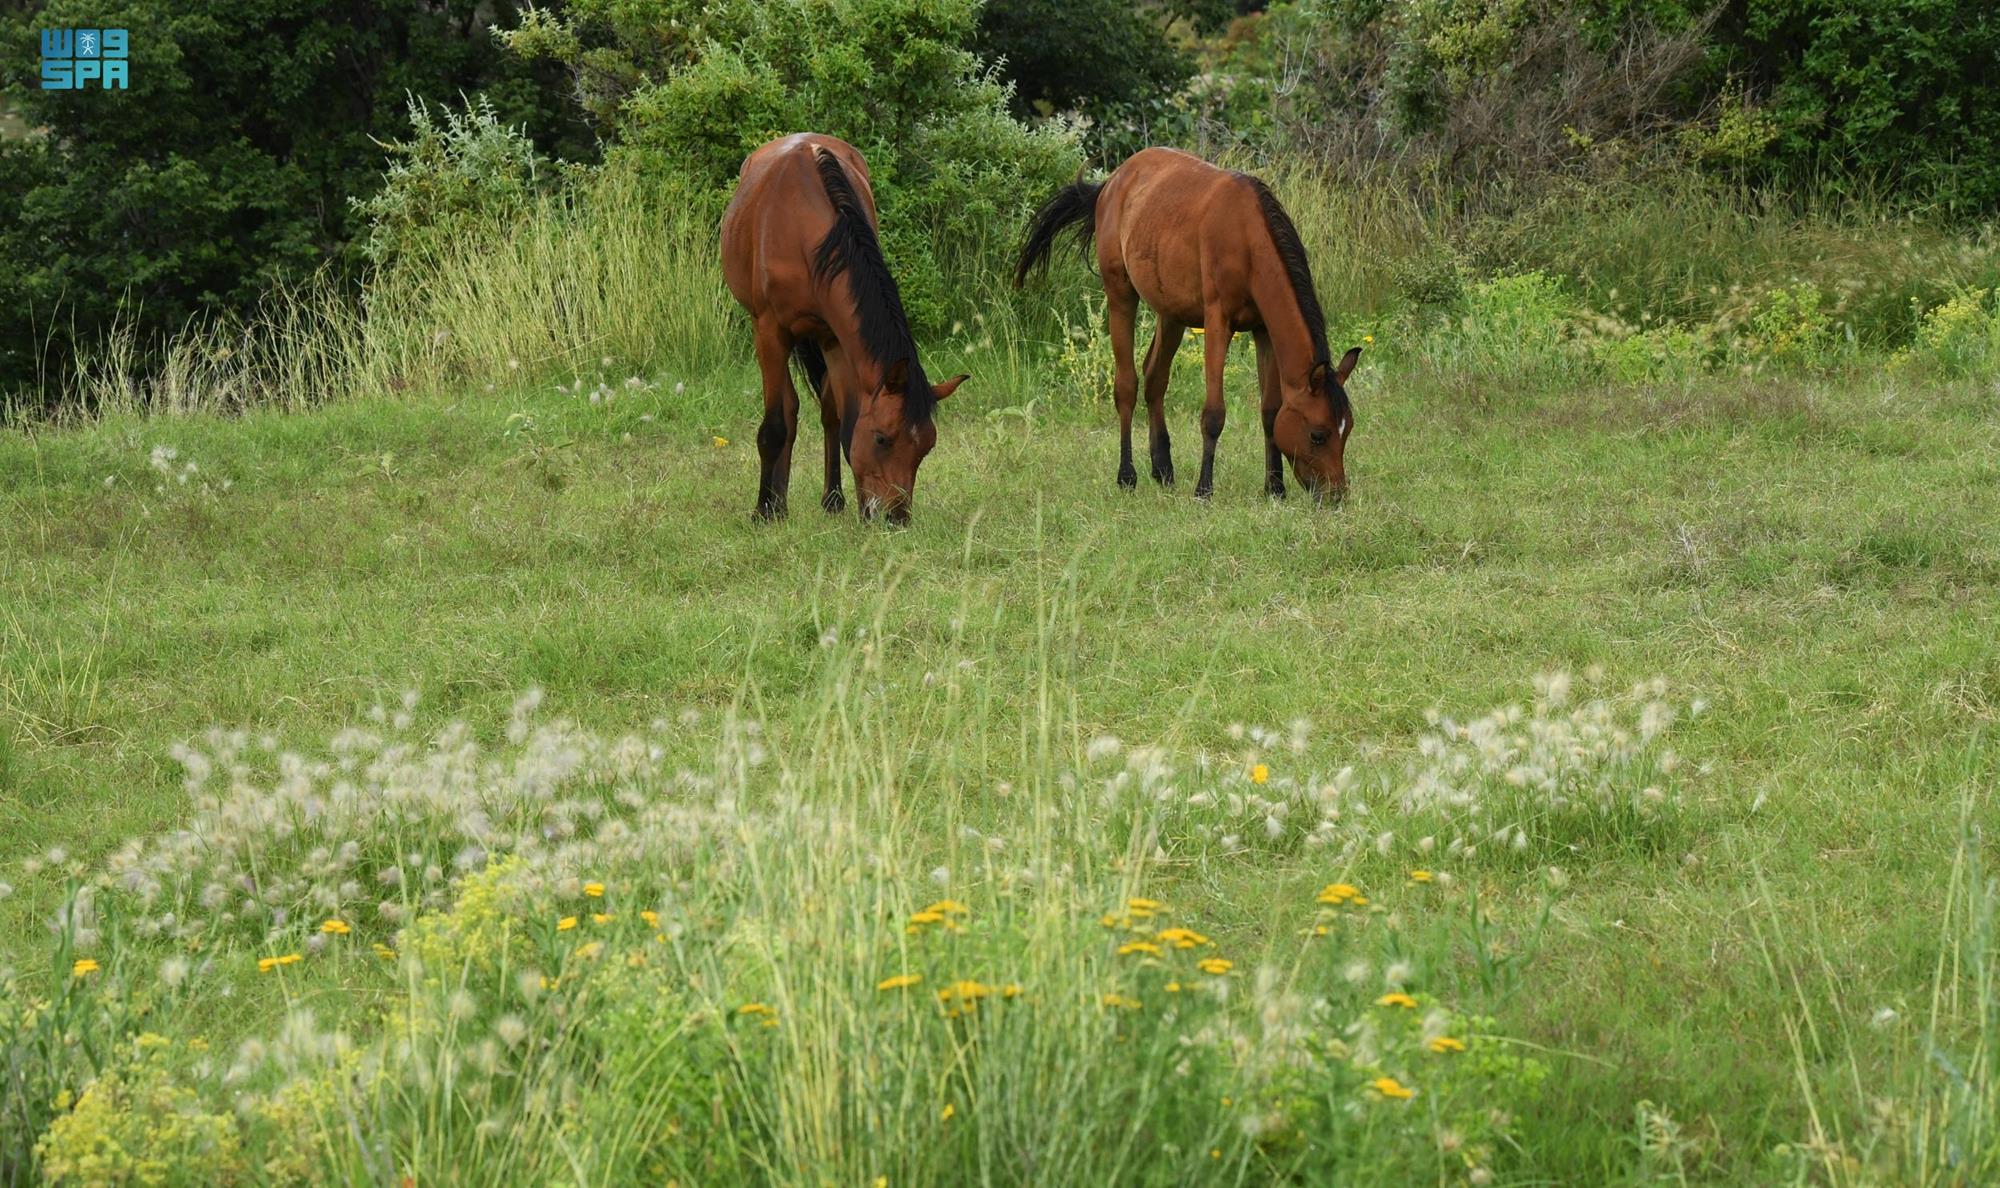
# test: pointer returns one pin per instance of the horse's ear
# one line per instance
(1316, 379)
(1347, 363)
(949, 386)
(896, 377)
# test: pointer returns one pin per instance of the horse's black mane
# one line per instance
(1292, 251)
(851, 247)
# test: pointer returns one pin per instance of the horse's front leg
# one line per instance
(1215, 356)
(781, 420)
(1267, 388)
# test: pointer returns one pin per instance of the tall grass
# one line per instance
(620, 271)
(1893, 1099)
(560, 955)
(620, 268)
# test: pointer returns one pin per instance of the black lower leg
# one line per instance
(1211, 429)
(1128, 475)
(1163, 458)
(834, 499)
(771, 441)
(1274, 462)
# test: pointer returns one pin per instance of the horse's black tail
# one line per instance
(811, 360)
(1073, 209)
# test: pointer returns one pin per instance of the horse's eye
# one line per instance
(1319, 436)
(881, 440)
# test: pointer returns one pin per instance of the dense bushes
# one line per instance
(1813, 94)
(228, 165)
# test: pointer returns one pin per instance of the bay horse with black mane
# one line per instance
(1212, 248)
(800, 253)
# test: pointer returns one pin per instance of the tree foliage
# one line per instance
(1897, 93)
(229, 163)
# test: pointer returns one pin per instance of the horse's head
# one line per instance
(886, 443)
(1312, 425)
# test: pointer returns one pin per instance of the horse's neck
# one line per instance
(842, 318)
(1278, 306)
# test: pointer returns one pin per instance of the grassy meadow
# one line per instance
(450, 781)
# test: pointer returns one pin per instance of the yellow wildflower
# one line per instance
(1397, 999)
(721, 442)
(1011, 990)
(83, 966)
(566, 923)
(590, 951)
(1215, 1152)
(1215, 965)
(945, 1114)
(1446, 1043)
(1147, 947)
(336, 928)
(1173, 987)
(651, 918)
(926, 917)
(1122, 1002)
(1339, 893)
(755, 1008)
(267, 964)
(384, 952)
(1392, 1088)
(1368, 340)
(1138, 904)
(594, 890)
(600, 918)
(1182, 938)
(949, 907)
(967, 990)
(899, 982)
(1260, 774)
(1420, 876)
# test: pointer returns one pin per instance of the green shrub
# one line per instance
(1958, 337)
(1794, 325)
(136, 1124)
(451, 177)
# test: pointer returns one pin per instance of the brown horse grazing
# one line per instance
(1211, 248)
(799, 252)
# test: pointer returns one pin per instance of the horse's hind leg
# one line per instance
(1267, 388)
(1159, 364)
(781, 420)
(1122, 309)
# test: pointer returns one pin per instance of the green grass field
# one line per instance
(1707, 988)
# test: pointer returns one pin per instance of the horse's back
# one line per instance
(1166, 219)
(779, 214)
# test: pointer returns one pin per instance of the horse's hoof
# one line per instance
(1277, 493)
(1164, 477)
(1202, 493)
(767, 513)
(834, 502)
(1128, 478)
